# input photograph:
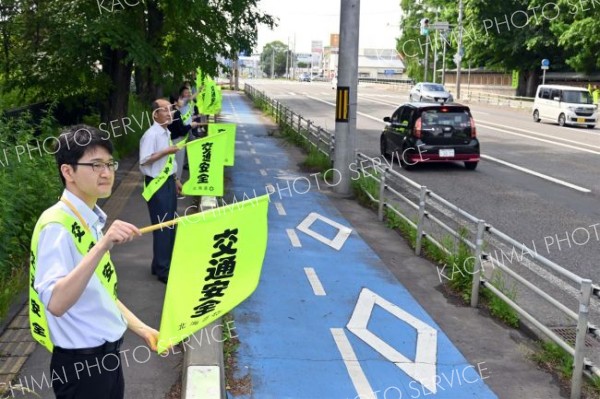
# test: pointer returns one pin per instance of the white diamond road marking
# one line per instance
(293, 238)
(314, 281)
(423, 368)
(358, 377)
(280, 209)
(263, 172)
(337, 242)
(252, 151)
(257, 161)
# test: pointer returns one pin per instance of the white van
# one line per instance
(567, 105)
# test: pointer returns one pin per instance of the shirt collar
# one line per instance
(93, 217)
(160, 128)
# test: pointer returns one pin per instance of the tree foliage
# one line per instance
(509, 35)
(69, 47)
(274, 55)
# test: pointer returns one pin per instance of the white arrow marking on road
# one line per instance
(537, 174)
(357, 375)
(423, 368)
(337, 242)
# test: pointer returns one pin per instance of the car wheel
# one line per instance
(383, 147)
(562, 120)
(403, 163)
(536, 116)
(591, 126)
(421, 99)
(471, 165)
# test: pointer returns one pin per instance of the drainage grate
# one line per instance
(569, 334)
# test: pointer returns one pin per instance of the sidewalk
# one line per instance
(312, 330)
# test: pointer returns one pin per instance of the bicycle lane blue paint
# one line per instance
(287, 345)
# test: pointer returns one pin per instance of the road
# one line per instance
(536, 182)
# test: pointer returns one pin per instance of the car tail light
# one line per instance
(473, 129)
(417, 129)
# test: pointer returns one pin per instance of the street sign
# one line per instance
(389, 71)
(545, 64)
(440, 25)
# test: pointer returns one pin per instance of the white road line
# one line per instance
(280, 209)
(293, 238)
(357, 375)
(359, 113)
(542, 140)
(545, 135)
(540, 175)
(314, 281)
(257, 161)
(263, 172)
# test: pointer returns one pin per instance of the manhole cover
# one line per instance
(569, 334)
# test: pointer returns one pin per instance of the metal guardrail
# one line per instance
(426, 205)
(430, 202)
(318, 137)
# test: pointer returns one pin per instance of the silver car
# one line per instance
(430, 92)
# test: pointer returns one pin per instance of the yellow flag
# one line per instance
(211, 105)
(202, 80)
(216, 264)
(229, 130)
(205, 159)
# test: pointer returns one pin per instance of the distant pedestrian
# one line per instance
(596, 94)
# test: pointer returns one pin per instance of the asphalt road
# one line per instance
(536, 182)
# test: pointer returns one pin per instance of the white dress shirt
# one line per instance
(156, 138)
(95, 317)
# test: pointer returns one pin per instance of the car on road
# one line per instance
(430, 92)
(426, 132)
(566, 105)
(304, 77)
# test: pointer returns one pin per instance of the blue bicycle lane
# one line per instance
(328, 319)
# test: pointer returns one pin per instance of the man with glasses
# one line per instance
(161, 187)
(74, 310)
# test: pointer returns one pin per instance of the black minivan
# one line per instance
(425, 132)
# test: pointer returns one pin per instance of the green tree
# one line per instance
(274, 54)
(68, 47)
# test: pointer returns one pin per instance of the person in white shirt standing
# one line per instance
(161, 187)
(74, 309)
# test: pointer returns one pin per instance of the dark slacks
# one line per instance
(162, 207)
(95, 376)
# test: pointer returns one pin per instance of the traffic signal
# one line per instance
(425, 26)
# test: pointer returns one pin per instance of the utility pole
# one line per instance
(272, 63)
(445, 37)
(459, 55)
(287, 56)
(346, 96)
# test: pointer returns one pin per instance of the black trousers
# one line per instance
(97, 376)
(162, 207)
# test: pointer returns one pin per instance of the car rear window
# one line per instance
(459, 119)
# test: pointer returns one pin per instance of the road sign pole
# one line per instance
(435, 42)
(544, 77)
(426, 58)
(346, 99)
(460, 37)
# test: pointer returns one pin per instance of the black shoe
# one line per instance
(163, 279)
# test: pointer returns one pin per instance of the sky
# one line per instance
(309, 20)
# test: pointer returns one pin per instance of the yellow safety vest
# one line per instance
(158, 181)
(84, 241)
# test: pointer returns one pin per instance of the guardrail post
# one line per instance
(477, 264)
(381, 194)
(300, 124)
(421, 220)
(582, 322)
(277, 118)
(308, 134)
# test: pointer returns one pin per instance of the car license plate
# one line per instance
(580, 120)
(441, 100)
(447, 153)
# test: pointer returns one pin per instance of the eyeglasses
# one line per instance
(98, 167)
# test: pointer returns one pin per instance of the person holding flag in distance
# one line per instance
(161, 186)
(74, 310)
